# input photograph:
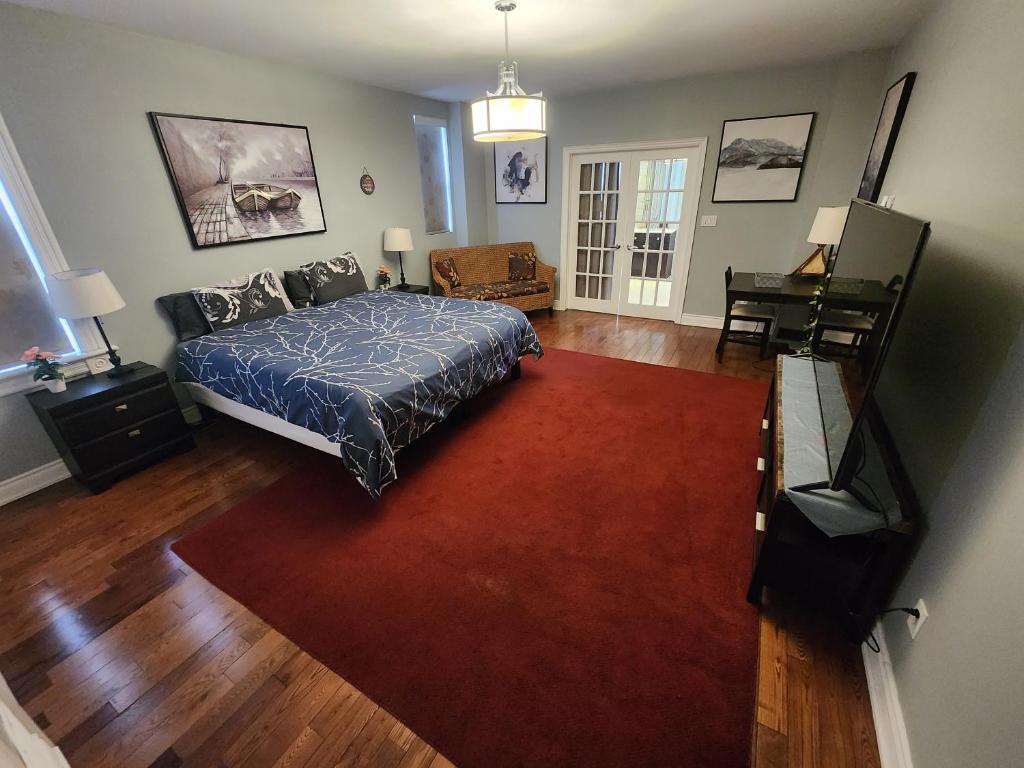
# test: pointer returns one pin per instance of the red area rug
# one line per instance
(556, 579)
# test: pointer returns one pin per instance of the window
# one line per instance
(435, 175)
(25, 315)
(28, 252)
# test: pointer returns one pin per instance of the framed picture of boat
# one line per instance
(240, 180)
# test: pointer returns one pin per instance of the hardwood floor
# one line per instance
(129, 658)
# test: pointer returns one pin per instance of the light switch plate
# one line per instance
(709, 221)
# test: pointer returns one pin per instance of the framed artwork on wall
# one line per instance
(238, 180)
(761, 159)
(893, 108)
(521, 171)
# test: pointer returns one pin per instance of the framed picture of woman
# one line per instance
(521, 171)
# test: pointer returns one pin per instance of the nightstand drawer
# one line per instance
(115, 414)
(127, 444)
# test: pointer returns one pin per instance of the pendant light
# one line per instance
(509, 114)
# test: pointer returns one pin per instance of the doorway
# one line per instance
(628, 220)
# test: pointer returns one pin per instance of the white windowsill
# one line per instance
(76, 365)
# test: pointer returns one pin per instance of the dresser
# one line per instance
(802, 549)
(106, 428)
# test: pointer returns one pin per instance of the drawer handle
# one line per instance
(121, 407)
(760, 464)
(135, 433)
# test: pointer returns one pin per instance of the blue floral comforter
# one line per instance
(371, 372)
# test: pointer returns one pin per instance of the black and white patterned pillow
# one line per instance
(256, 296)
(335, 278)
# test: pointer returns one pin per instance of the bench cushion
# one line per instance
(500, 289)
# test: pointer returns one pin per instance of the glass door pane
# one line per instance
(597, 193)
(661, 186)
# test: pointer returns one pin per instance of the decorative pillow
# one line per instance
(334, 279)
(522, 266)
(297, 288)
(449, 272)
(187, 318)
(256, 296)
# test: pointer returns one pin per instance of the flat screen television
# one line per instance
(875, 265)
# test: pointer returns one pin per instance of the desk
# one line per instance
(873, 297)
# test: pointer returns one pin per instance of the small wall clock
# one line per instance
(366, 183)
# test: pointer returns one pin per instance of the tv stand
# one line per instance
(802, 549)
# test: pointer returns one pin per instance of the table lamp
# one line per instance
(81, 293)
(398, 239)
(827, 229)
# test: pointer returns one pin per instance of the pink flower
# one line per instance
(29, 354)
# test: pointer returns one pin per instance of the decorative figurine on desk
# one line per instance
(384, 276)
(47, 368)
(827, 230)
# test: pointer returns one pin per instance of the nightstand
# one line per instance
(106, 428)
(410, 288)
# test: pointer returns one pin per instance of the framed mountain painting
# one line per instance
(762, 158)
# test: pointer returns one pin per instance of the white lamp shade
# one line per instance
(828, 226)
(509, 118)
(397, 239)
(81, 293)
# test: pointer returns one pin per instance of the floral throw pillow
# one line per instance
(335, 278)
(256, 296)
(522, 266)
(449, 272)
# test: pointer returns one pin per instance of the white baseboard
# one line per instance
(34, 480)
(890, 730)
(558, 305)
(703, 321)
(711, 321)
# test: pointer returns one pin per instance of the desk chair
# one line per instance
(759, 314)
(857, 325)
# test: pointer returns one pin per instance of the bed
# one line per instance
(361, 377)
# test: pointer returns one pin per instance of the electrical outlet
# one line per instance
(709, 221)
(914, 625)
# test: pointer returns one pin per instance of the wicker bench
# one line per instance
(483, 274)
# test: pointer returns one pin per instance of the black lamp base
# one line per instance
(120, 371)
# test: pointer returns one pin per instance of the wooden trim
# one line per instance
(890, 728)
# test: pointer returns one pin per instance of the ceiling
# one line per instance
(450, 49)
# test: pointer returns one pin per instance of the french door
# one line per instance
(632, 215)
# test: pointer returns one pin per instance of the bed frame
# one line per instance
(275, 424)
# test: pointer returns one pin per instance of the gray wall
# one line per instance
(846, 94)
(75, 94)
(958, 368)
